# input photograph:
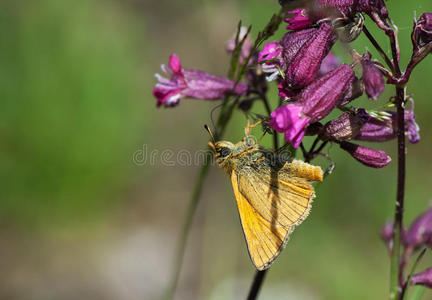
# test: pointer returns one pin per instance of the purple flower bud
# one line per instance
(367, 156)
(411, 127)
(376, 130)
(329, 63)
(346, 126)
(324, 94)
(387, 233)
(423, 278)
(424, 27)
(246, 47)
(420, 231)
(373, 6)
(289, 120)
(304, 67)
(270, 58)
(184, 83)
(299, 19)
(372, 78)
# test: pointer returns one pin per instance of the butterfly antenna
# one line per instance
(210, 132)
(211, 114)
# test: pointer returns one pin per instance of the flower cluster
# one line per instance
(311, 80)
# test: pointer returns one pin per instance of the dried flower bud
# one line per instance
(423, 278)
(323, 95)
(355, 90)
(424, 27)
(367, 156)
(304, 67)
(372, 78)
(293, 41)
(346, 126)
(420, 231)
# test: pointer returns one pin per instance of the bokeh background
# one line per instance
(79, 219)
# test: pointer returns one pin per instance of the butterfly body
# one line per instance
(273, 195)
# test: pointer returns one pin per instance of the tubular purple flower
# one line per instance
(376, 130)
(270, 58)
(367, 156)
(324, 94)
(299, 19)
(424, 27)
(372, 78)
(387, 233)
(420, 231)
(276, 56)
(289, 120)
(305, 66)
(423, 278)
(346, 126)
(184, 83)
(246, 47)
(313, 103)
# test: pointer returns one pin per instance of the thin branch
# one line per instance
(378, 48)
(256, 284)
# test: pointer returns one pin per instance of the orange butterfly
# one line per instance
(273, 194)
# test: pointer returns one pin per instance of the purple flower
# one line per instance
(329, 63)
(367, 156)
(270, 58)
(423, 278)
(376, 130)
(314, 103)
(420, 231)
(289, 120)
(276, 56)
(299, 19)
(305, 66)
(346, 126)
(184, 83)
(372, 78)
(424, 27)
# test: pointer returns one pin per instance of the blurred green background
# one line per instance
(80, 220)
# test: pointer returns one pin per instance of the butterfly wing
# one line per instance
(271, 203)
(264, 240)
(281, 196)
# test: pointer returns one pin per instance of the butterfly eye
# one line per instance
(224, 152)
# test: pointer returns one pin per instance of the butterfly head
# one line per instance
(223, 151)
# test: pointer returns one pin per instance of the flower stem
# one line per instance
(256, 284)
(399, 205)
